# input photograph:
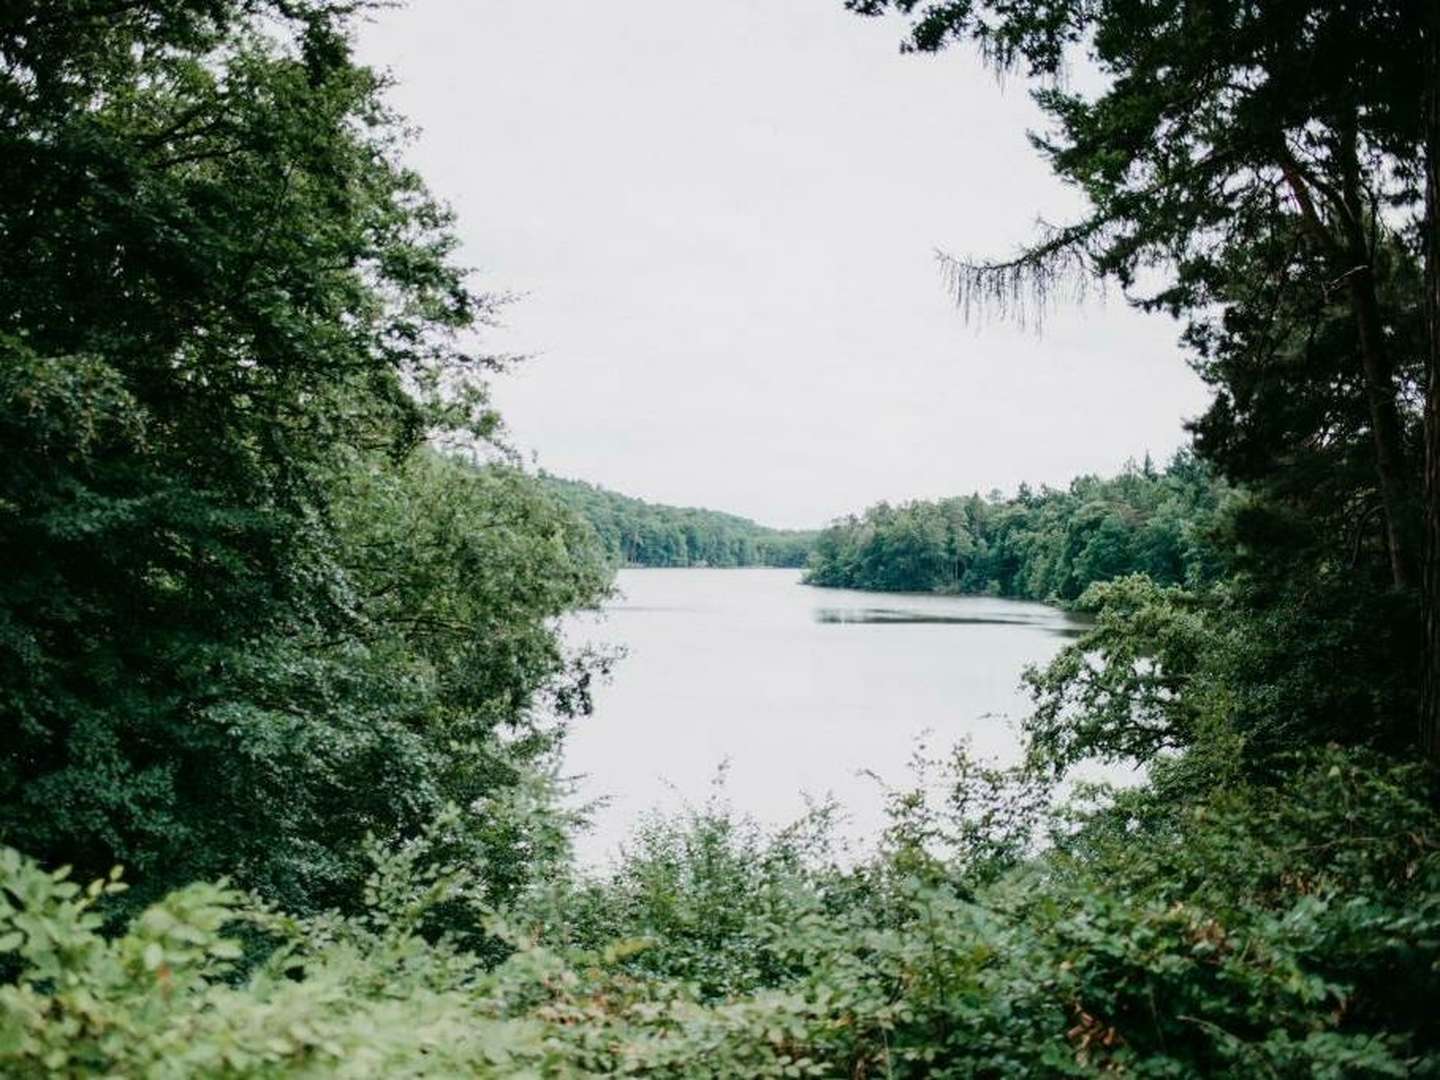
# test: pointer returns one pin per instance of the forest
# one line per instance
(283, 683)
(1040, 545)
(637, 533)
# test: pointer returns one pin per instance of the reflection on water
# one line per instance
(1045, 621)
(901, 615)
(799, 689)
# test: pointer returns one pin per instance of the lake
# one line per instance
(799, 689)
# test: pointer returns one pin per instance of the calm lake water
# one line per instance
(799, 689)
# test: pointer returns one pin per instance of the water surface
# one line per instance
(799, 689)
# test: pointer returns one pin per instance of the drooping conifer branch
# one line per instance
(1060, 266)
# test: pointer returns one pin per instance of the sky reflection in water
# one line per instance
(799, 689)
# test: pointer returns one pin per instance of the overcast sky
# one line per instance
(722, 216)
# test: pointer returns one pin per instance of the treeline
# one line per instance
(1049, 544)
(638, 533)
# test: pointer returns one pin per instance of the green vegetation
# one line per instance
(1269, 174)
(637, 533)
(258, 628)
(1045, 545)
(1289, 930)
(247, 616)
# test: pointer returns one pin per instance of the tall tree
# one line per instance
(1288, 135)
(226, 308)
(1430, 685)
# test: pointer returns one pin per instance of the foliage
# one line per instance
(246, 617)
(1265, 173)
(1131, 687)
(366, 996)
(1292, 930)
(1253, 168)
(637, 533)
(1268, 659)
(1043, 545)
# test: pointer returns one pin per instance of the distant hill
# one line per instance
(638, 533)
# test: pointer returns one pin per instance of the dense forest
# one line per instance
(638, 533)
(283, 686)
(1040, 545)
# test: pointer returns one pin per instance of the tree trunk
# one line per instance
(1385, 425)
(1430, 680)
(1349, 252)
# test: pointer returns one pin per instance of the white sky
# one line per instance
(722, 216)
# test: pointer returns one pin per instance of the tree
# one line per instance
(227, 313)
(1430, 685)
(1285, 138)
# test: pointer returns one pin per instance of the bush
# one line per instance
(1290, 930)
